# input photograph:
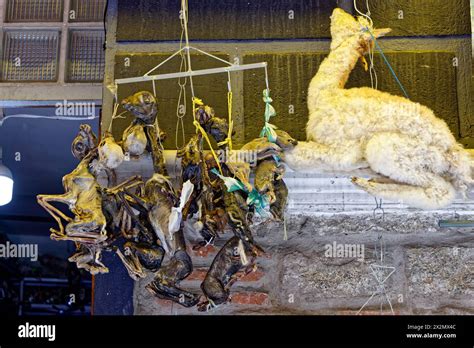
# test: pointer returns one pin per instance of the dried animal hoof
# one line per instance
(207, 305)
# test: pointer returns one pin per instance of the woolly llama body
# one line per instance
(414, 154)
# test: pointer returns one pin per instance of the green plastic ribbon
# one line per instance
(232, 184)
(268, 130)
(259, 201)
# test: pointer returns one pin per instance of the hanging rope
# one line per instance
(198, 102)
(228, 140)
(157, 124)
(116, 106)
(182, 90)
(388, 64)
(373, 72)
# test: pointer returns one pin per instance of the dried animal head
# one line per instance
(284, 140)
(217, 127)
(159, 186)
(88, 258)
(345, 27)
(263, 148)
(142, 105)
(84, 142)
(190, 153)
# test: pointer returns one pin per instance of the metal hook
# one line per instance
(378, 207)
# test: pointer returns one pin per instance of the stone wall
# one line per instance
(430, 49)
(433, 269)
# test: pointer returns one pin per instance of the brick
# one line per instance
(205, 251)
(212, 89)
(429, 78)
(200, 274)
(421, 18)
(151, 20)
(250, 298)
(197, 274)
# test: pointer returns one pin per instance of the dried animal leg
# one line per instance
(223, 273)
(278, 207)
(131, 263)
(159, 165)
(44, 200)
(165, 284)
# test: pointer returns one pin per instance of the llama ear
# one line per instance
(381, 32)
(339, 15)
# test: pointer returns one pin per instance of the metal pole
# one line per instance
(191, 73)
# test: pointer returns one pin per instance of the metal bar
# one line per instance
(209, 55)
(456, 223)
(192, 73)
(165, 61)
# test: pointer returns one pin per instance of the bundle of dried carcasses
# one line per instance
(144, 222)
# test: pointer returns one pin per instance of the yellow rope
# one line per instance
(228, 140)
(204, 134)
(197, 101)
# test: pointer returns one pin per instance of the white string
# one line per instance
(184, 9)
(366, 15)
(182, 92)
(157, 123)
(267, 83)
(374, 81)
(59, 118)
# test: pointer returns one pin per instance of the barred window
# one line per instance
(86, 61)
(30, 55)
(87, 10)
(34, 11)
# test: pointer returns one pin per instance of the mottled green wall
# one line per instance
(429, 48)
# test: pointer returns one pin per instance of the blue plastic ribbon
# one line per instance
(387, 63)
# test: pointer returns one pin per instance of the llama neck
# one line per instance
(334, 71)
